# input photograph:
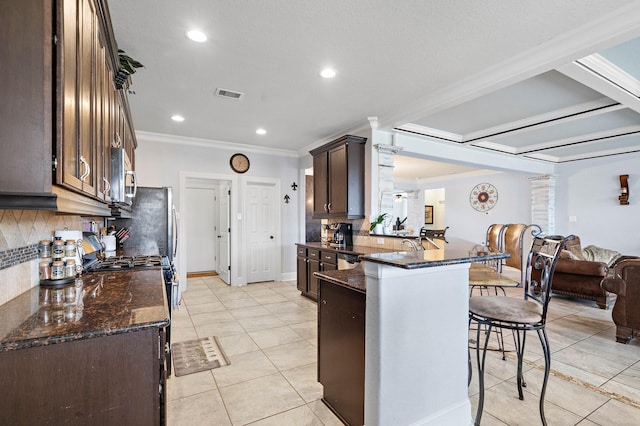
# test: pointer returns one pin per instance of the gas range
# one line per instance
(117, 263)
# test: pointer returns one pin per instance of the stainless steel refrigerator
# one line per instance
(152, 226)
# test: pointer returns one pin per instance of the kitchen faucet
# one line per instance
(416, 245)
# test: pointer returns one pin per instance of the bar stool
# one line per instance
(519, 315)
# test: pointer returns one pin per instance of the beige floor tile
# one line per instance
(298, 316)
(308, 330)
(206, 308)
(203, 409)
(283, 307)
(261, 322)
(274, 337)
(183, 334)
(243, 367)
(220, 329)
(305, 381)
(616, 413)
(192, 301)
(324, 414)
(256, 399)
(191, 384)
(251, 311)
(237, 344)
(239, 303)
(210, 317)
(502, 402)
(265, 300)
(292, 355)
(300, 416)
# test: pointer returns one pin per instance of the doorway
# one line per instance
(205, 231)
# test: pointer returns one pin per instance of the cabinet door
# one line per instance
(320, 185)
(67, 148)
(313, 266)
(86, 84)
(337, 172)
(341, 331)
(302, 273)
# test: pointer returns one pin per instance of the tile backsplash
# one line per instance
(20, 231)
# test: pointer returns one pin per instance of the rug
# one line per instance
(198, 355)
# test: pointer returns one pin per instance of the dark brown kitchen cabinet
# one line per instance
(312, 260)
(60, 105)
(341, 339)
(109, 380)
(338, 184)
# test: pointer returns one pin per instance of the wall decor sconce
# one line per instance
(624, 190)
(287, 198)
(294, 186)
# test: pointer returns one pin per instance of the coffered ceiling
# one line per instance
(552, 80)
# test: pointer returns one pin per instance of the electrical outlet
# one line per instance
(573, 219)
(380, 240)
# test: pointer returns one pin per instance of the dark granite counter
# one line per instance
(451, 252)
(355, 250)
(353, 279)
(96, 304)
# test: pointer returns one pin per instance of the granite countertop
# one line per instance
(351, 278)
(96, 304)
(355, 250)
(451, 252)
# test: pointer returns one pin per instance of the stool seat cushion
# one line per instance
(506, 309)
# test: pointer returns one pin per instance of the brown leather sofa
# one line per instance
(626, 311)
(581, 278)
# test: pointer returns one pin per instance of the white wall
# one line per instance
(589, 190)
(161, 158)
(514, 204)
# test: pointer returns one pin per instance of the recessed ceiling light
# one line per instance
(197, 36)
(177, 118)
(328, 73)
(261, 131)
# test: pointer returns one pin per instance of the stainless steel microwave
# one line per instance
(123, 178)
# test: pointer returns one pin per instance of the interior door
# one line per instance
(224, 246)
(261, 232)
(201, 229)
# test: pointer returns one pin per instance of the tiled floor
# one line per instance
(269, 333)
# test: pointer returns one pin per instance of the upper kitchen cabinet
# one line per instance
(338, 182)
(61, 111)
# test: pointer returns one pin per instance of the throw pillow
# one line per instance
(598, 254)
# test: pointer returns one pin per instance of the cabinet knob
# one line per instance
(271, 237)
(324, 302)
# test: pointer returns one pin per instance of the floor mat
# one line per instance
(198, 355)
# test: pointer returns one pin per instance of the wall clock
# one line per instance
(239, 163)
(483, 197)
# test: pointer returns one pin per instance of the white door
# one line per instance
(201, 230)
(223, 234)
(261, 232)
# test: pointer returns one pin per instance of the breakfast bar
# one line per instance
(415, 346)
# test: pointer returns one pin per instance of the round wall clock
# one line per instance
(239, 163)
(483, 197)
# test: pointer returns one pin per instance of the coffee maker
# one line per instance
(342, 235)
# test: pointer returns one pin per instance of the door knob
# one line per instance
(271, 237)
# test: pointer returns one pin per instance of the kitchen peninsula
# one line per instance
(90, 352)
(415, 343)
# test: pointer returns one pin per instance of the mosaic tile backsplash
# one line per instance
(20, 231)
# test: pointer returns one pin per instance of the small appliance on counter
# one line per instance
(342, 235)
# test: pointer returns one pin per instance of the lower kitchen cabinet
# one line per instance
(110, 380)
(312, 260)
(341, 334)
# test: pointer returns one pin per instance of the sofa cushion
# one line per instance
(580, 267)
(599, 254)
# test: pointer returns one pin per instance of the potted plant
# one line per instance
(378, 222)
(127, 67)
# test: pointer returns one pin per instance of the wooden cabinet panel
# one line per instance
(338, 194)
(301, 263)
(310, 260)
(320, 187)
(338, 183)
(341, 334)
(109, 380)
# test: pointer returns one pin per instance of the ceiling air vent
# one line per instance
(229, 94)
